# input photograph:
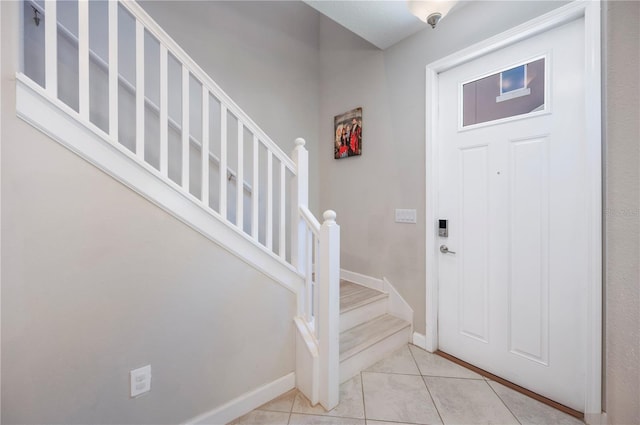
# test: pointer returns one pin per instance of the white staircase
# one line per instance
(210, 165)
(367, 332)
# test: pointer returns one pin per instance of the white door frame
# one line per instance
(590, 10)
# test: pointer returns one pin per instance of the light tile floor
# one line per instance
(412, 386)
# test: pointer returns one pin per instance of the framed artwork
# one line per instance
(348, 134)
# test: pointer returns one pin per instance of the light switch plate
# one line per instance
(140, 380)
(405, 216)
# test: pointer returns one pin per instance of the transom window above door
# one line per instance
(514, 92)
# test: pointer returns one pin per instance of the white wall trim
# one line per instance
(396, 305)
(590, 10)
(247, 402)
(58, 121)
(1, 38)
(596, 418)
(361, 279)
(307, 362)
(419, 340)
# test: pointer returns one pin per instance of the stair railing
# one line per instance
(314, 248)
(261, 217)
(316, 254)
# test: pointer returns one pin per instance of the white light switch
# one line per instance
(405, 216)
(140, 380)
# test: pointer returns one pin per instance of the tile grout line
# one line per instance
(503, 402)
(426, 386)
(293, 402)
(364, 406)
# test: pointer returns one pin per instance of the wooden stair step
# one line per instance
(359, 338)
(353, 296)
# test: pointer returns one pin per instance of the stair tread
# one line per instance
(353, 295)
(356, 339)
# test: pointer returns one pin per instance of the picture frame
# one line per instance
(347, 134)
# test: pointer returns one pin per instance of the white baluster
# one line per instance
(269, 200)
(328, 315)
(205, 146)
(185, 128)
(113, 69)
(51, 47)
(283, 215)
(315, 278)
(255, 208)
(223, 161)
(299, 197)
(164, 112)
(308, 280)
(140, 109)
(83, 58)
(240, 178)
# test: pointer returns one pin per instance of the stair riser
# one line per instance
(363, 314)
(355, 364)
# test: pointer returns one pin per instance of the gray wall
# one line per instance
(390, 86)
(622, 210)
(97, 281)
(264, 54)
(52, 216)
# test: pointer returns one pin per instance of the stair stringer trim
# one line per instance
(307, 362)
(61, 123)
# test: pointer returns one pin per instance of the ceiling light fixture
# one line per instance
(432, 11)
(434, 18)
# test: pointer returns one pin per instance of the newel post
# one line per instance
(299, 197)
(329, 311)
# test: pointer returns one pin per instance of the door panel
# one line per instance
(528, 283)
(474, 309)
(512, 297)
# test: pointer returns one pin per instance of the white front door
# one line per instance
(513, 167)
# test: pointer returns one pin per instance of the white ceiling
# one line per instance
(381, 22)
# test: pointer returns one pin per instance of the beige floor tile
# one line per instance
(400, 362)
(284, 403)
(350, 406)
(398, 398)
(301, 419)
(434, 365)
(530, 411)
(468, 401)
(262, 417)
(370, 422)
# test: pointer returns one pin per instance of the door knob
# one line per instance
(445, 250)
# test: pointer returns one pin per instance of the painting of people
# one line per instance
(348, 134)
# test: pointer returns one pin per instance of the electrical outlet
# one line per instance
(140, 380)
(405, 216)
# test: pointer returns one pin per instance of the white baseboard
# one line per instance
(361, 279)
(398, 306)
(419, 340)
(246, 403)
(596, 418)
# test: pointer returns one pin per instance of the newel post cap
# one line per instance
(299, 142)
(330, 216)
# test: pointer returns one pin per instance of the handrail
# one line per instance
(267, 222)
(152, 26)
(130, 88)
(310, 219)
